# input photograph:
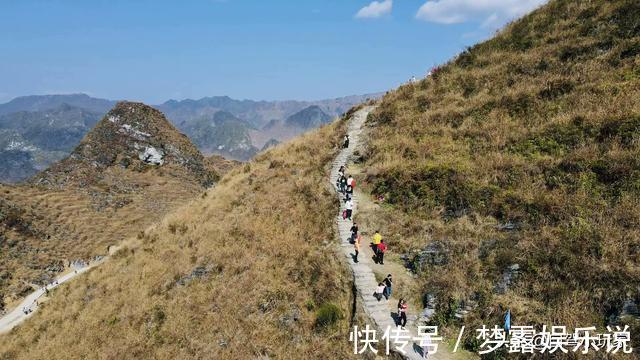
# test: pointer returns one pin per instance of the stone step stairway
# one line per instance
(380, 312)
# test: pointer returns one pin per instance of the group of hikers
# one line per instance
(377, 244)
(45, 289)
(29, 310)
(346, 184)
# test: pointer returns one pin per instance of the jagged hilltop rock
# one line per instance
(134, 136)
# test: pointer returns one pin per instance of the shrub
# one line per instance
(555, 89)
(327, 315)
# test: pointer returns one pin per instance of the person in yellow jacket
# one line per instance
(377, 238)
(374, 243)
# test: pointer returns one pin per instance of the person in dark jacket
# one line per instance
(349, 192)
(388, 282)
(354, 231)
(343, 184)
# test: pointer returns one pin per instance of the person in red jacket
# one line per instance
(382, 247)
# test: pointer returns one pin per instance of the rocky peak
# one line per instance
(132, 135)
(135, 131)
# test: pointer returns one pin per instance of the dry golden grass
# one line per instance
(263, 238)
(540, 127)
(69, 224)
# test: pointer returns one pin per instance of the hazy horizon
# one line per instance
(152, 51)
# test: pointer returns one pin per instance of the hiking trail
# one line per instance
(16, 316)
(382, 313)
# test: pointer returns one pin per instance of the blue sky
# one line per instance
(155, 50)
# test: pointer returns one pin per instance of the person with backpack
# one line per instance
(346, 142)
(388, 282)
(382, 247)
(402, 313)
(349, 192)
(343, 184)
(340, 175)
(356, 247)
(349, 207)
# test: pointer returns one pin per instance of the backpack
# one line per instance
(344, 214)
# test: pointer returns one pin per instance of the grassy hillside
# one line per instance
(522, 150)
(247, 270)
(101, 195)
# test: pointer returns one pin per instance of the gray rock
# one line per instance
(630, 309)
(198, 272)
(292, 316)
(434, 254)
(508, 226)
(509, 276)
(78, 264)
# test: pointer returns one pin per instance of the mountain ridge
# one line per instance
(240, 141)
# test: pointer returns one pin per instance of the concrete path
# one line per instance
(18, 315)
(382, 312)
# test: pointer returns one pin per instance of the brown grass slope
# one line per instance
(99, 196)
(536, 130)
(245, 271)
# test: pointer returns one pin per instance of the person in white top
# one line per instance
(379, 291)
(350, 181)
(348, 205)
(425, 343)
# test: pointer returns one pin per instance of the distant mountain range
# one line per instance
(30, 141)
(38, 130)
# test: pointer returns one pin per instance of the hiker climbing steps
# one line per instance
(383, 312)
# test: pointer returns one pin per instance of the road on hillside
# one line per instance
(18, 315)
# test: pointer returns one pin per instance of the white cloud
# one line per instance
(375, 10)
(490, 13)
